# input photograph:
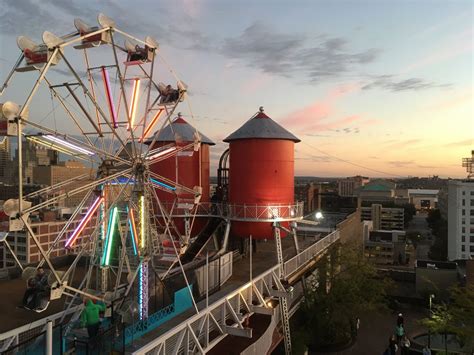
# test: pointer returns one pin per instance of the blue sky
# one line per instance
(386, 85)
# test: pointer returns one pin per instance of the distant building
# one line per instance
(5, 159)
(461, 219)
(348, 187)
(423, 198)
(388, 247)
(33, 155)
(54, 174)
(46, 231)
(384, 218)
(310, 195)
(377, 191)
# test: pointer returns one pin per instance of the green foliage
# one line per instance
(462, 311)
(330, 317)
(456, 317)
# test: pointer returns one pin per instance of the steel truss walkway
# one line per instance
(228, 315)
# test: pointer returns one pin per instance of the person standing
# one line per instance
(90, 317)
(426, 350)
(400, 332)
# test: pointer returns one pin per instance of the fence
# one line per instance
(220, 270)
(309, 253)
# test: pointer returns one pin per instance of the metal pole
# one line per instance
(251, 274)
(49, 338)
(207, 280)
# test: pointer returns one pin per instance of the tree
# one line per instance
(456, 317)
(440, 322)
(462, 310)
(346, 288)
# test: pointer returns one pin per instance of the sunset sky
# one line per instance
(385, 85)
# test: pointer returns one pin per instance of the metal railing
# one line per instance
(237, 212)
(30, 330)
(299, 260)
(202, 331)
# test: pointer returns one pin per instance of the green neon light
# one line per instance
(109, 238)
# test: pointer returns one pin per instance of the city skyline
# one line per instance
(384, 86)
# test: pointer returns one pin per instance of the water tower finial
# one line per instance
(261, 109)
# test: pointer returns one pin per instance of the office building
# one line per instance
(461, 219)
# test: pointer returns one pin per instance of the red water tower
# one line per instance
(188, 168)
(261, 177)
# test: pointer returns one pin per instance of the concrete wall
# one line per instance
(351, 229)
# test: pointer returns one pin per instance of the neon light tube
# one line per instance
(162, 184)
(163, 152)
(108, 91)
(142, 221)
(134, 102)
(50, 145)
(109, 238)
(67, 144)
(151, 125)
(133, 230)
(84, 222)
(102, 215)
(140, 291)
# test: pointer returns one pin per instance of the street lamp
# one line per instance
(319, 215)
(429, 330)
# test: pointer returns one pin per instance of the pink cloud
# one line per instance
(316, 115)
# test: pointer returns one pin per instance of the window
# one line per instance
(472, 193)
(472, 201)
(463, 229)
(472, 212)
(463, 221)
(463, 238)
(463, 202)
(463, 212)
(471, 248)
(463, 248)
(471, 238)
(463, 193)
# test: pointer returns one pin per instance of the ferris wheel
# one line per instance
(113, 98)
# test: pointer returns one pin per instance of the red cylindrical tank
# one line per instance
(261, 174)
(187, 168)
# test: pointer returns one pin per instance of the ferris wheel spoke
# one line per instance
(75, 191)
(70, 114)
(166, 120)
(166, 214)
(145, 115)
(124, 97)
(50, 189)
(68, 223)
(173, 184)
(101, 112)
(78, 142)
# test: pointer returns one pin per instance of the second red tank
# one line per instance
(261, 176)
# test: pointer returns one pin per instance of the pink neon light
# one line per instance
(108, 91)
(84, 222)
(151, 125)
